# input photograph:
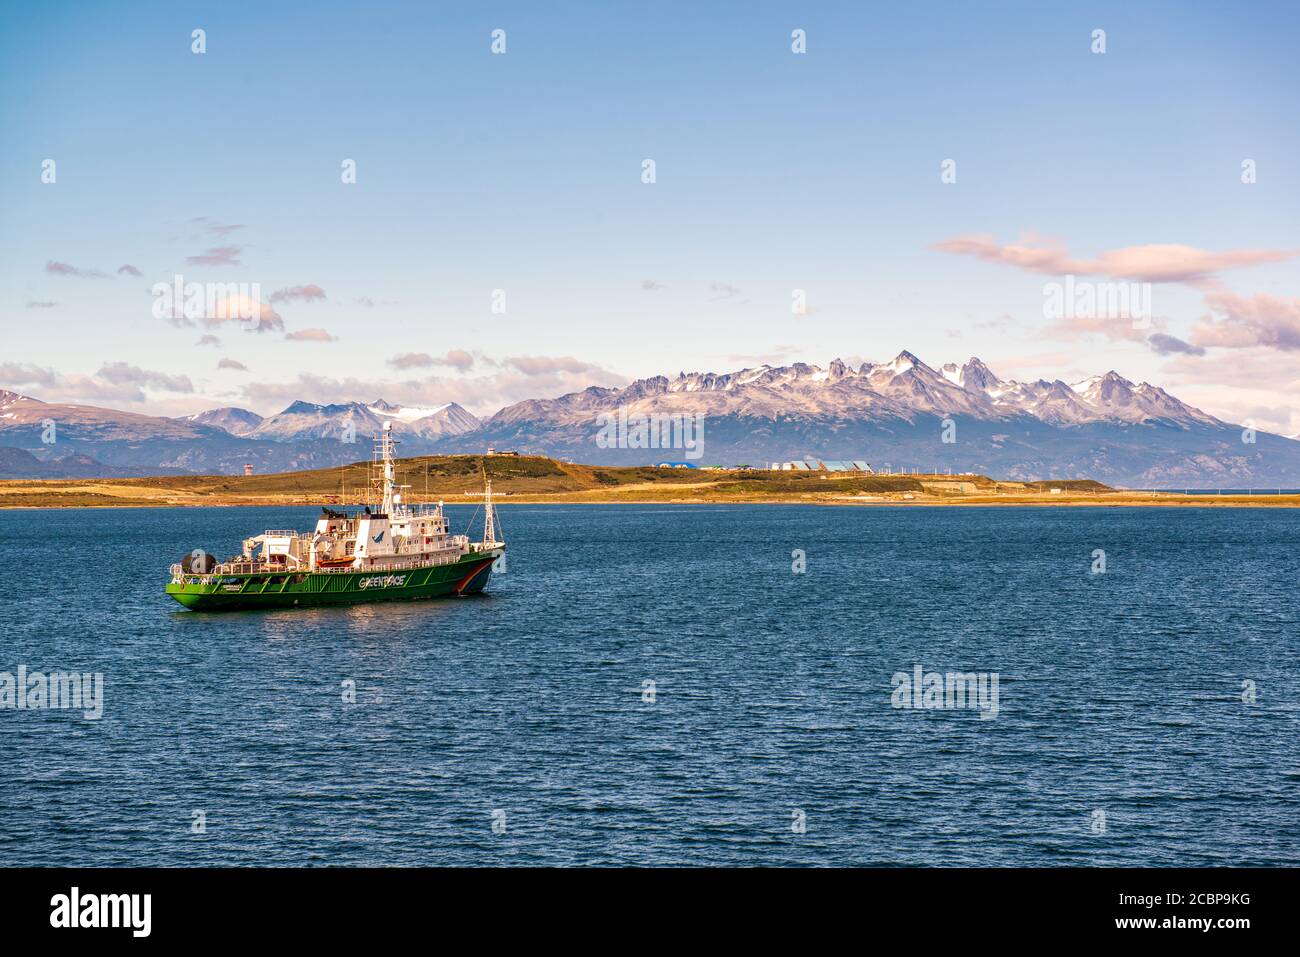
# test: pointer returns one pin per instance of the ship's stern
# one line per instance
(191, 595)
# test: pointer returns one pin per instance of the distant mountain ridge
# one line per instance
(228, 419)
(903, 387)
(893, 413)
(306, 420)
(21, 464)
(896, 414)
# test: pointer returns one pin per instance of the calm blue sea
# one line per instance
(518, 727)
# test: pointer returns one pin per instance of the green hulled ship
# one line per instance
(386, 552)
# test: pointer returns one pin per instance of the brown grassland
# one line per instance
(534, 479)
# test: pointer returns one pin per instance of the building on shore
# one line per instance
(809, 464)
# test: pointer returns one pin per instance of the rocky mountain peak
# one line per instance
(976, 375)
(8, 398)
(903, 362)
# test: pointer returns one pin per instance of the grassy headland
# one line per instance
(458, 479)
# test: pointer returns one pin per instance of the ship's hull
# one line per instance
(468, 576)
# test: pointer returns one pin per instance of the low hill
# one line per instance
(459, 479)
(21, 464)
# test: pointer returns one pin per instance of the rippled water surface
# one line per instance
(1119, 693)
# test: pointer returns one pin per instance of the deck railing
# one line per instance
(180, 576)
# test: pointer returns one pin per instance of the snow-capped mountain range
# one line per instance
(306, 420)
(1105, 427)
(895, 413)
(902, 388)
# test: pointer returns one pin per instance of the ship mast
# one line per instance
(489, 523)
(386, 447)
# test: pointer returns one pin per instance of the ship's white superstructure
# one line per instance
(387, 535)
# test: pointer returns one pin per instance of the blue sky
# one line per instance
(522, 172)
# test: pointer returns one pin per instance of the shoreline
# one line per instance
(1103, 500)
(537, 480)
